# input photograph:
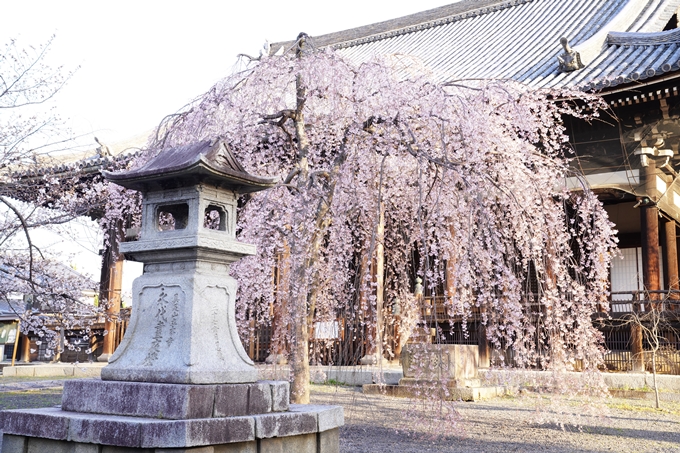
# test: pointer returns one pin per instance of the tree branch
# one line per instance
(28, 238)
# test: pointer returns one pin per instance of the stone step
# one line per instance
(56, 430)
(451, 393)
(451, 383)
(174, 401)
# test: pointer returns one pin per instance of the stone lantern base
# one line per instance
(125, 417)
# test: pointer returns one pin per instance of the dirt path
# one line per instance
(375, 424)
(501, 425)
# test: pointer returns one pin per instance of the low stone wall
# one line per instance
(55, 370)
(346, 375)
(355, 375)
(666, 382)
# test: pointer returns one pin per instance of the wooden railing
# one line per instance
(435, 308)
(626, 302)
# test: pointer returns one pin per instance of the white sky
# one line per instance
(141, 60)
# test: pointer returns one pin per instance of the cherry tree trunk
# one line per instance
(299, 391)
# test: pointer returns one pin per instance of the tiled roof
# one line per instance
(619, 40)
(631, 57)
(207, 161)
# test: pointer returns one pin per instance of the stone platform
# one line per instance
(126, 417)
(446, 371)
(453, 392)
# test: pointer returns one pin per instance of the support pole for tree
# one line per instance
(379, 278)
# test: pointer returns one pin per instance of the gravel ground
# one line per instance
(500, 425)
(381, 424)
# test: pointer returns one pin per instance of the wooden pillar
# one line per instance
(483, 343)
(110, 286)
(650, 249)
(671, 255)
(251, 340)
(94, 344)
(113, 307)
(25, 348)
(649, 229)
(450, 281)
(397, 336)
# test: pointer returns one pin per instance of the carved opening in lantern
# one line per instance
(172, 217)
(215, 218)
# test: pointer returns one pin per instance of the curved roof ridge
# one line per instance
(643, 39)
(591, 48)
(432, 23)
(412, 22)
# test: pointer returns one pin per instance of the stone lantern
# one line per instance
(180, 380)
(182, 328)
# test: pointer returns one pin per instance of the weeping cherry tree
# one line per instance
(377, 156)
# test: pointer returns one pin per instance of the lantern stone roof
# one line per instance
(617, 41)
(208, 161)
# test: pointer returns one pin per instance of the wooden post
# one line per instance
(650, 249)
(397, 336)
(25, 348)
(450, 281)
(109, 290)
(113, 307)
(93, 343)
(649, 228)
(671, 254)
(251, 340)
(16, 342)
(483, 343)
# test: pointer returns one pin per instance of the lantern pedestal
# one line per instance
(182, 329)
